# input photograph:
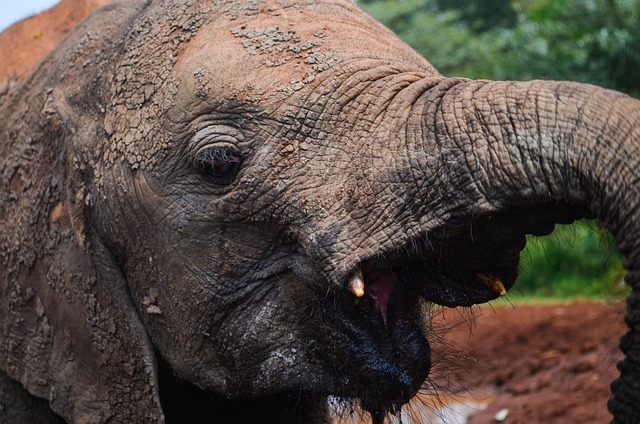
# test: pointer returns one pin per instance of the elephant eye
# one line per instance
(219, 164)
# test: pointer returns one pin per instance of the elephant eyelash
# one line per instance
(219, 164)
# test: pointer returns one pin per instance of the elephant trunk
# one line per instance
(506, 145)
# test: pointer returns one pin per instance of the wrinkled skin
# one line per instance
(189, 187)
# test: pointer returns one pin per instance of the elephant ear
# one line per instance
(69, 332)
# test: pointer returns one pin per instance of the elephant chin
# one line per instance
(184, 402)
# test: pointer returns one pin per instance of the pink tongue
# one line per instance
(380, 290)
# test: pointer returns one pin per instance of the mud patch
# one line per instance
(545, 364)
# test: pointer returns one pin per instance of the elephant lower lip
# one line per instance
(381, 339)
(405, 322)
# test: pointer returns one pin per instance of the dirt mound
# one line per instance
(24, 44)
(542, 364)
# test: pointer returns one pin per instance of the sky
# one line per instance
(14, 10)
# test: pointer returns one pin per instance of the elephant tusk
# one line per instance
(493, 282)
(356, 284)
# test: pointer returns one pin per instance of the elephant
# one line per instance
(247, 210)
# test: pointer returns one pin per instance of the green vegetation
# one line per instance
(593, 41)
(576, 261)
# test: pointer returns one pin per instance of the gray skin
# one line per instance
(189, 186)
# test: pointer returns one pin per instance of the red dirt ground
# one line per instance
(25, 43)
(544, 364)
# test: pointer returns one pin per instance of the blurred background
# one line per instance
(12, 11)
(592, 41)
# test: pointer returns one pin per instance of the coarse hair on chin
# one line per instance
(444, 390)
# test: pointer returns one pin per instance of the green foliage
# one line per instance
(594, 41)
(577, 260)
(482, 15)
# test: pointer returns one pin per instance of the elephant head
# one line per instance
(241, 208)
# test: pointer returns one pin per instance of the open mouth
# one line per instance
(462, 272)
(391, 306)
(472, 263)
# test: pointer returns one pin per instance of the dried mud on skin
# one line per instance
(545, 364)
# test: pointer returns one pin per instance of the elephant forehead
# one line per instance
(251, 60)
(278, 50)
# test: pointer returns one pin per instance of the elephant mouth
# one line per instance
(460, 271)
(471, 263)
(475, 262)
